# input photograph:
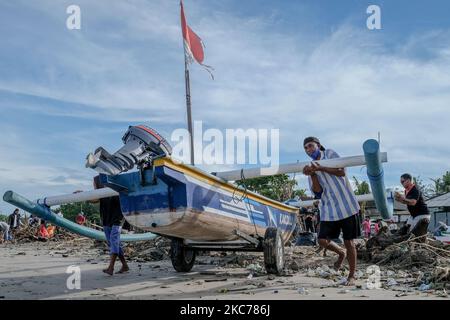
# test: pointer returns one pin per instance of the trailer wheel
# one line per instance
(273, 248)
(182, 258)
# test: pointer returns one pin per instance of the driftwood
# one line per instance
(31, 233)
(385, 239)
(413, 250)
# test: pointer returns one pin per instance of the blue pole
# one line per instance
(375, 174)
(45, 213)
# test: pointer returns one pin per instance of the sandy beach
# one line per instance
(37, 270)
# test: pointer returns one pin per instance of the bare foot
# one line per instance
(340, 260)
(124, 269)
(108, 271)
(350, 281)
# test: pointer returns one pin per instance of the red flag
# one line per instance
(193, 44)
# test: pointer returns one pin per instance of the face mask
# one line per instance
(315, 155)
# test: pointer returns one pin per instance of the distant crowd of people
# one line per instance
(15, 222)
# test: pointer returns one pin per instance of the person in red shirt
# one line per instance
(43, 233)
(81, 219)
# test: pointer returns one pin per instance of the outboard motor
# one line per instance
(141, 145)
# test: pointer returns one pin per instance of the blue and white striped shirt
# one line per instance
(338, 200)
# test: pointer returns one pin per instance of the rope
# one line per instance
(236, 200)
(243, 197)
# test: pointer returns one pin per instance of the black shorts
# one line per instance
(350, 227)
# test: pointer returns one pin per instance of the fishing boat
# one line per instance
(197, 210)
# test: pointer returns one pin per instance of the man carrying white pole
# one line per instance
(338, 206)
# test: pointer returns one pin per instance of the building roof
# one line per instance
(398, 206)
(440, 201)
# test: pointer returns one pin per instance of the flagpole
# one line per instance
(188, 107)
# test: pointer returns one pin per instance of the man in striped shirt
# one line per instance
(338, 205)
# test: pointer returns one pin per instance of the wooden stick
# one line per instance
(407, 241)
(440, 249)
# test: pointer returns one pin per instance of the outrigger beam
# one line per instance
(342, 162)
(45, 213)
(78, 197)
(359, 198)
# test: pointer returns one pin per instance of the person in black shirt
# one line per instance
(309, 222)
(127, 226)
(14, 220)
(111, 215)
(316, 213)
(413, 198)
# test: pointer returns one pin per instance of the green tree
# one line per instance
(278, 187)
(426, 190)
(301, 193)
(3, 217)
(71, 210)
(361, 187)
(442, 184)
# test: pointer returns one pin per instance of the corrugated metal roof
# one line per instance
(440, 201)
(397, 205)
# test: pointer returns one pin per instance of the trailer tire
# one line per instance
(182, 257)
(273, 248)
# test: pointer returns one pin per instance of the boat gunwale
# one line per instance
(207, 177)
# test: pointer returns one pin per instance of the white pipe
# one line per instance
(77, 197)
(226, 175)
(309, 203)
(342, 162)
(359, 198)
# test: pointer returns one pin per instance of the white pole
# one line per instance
(78, 197)
(309, 203)
(342, 162)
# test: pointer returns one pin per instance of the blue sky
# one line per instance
(305, 67)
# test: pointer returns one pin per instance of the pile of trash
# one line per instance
(306, 239)
(28, 234)
(248, 260)
(324, 271)
(425, 263)
(62, 234)
(150, 250)
(25, 234)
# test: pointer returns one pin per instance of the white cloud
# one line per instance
(344, 87)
